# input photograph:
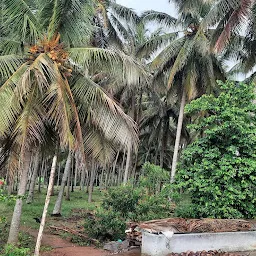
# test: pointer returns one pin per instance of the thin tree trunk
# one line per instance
(71, 184)
(107, 177)
(101, 180)
(76, 172)
(15, 224)
(114, 168)
(44, 174)
(127, 166)
(58, 179)
(82, 183)
(40, 176)
(93, 171)
(68, 186)
(57, 206)
(134, 168)
(30, 174)
(178, 134)
(30, 197)
(165, 129)
(47, 201)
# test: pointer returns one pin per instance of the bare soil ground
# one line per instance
(62, 247)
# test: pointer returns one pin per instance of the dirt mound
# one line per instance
(180, 225)
(208, 253)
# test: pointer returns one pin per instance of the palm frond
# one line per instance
(20, 20)
(180, 61)
(125, 13)
(97, 146)
(10, 46)
(97, 108)
(9, 64)
(238, 17)
(130, 71)
(29, 127)
(152, 45)
(72, 19)
(160, 18)
(168, 53)
(59, 111)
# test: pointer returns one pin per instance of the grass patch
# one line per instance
(79, 200)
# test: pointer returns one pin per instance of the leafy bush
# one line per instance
(4, 228)
(219, 168)
(149, 200)
(123, 199)
(107, 225)
(11, 250)
(153, 178)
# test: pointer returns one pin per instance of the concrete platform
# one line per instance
(161, 245)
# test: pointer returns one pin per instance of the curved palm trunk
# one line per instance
(57, 206)
(178, 134)
(15, 224)
(30, 197)
(47, 201)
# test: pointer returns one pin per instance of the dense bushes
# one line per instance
(148, 200)
(219, 168)
(11, 250)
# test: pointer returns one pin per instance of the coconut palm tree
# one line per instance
(49, 82)
(193, 68)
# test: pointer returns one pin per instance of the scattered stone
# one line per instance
(115, 247)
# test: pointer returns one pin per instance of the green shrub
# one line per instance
(122, 199)
(148, 200)
(107, 225)
(218, 169)
(11, 250)
(153, 178)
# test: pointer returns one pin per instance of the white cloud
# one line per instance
(143, 5)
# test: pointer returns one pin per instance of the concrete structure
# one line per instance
(161, 245)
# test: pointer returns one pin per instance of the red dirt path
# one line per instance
(62, 247)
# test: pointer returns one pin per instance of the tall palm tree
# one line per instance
(49, 82)
(193, 68)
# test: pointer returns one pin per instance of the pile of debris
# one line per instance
(205, 253)
(133, 234)
(180, 225)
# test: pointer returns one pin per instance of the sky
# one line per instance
(143, 5)
(158, 5)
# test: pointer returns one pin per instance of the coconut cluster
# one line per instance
(54, 51)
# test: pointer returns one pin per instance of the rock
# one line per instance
(116, 246)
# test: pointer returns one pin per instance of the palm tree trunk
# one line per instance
(82, 183)
(92, 178)
(76, 172)
(114, 169)
(30, 197)
(127, 166)
(58, 179)
(165, 131)
(57, 206)
(40, 177)
(47, 201)
(178, 134)
(68, 186)
(101, 181)
(15, 224)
